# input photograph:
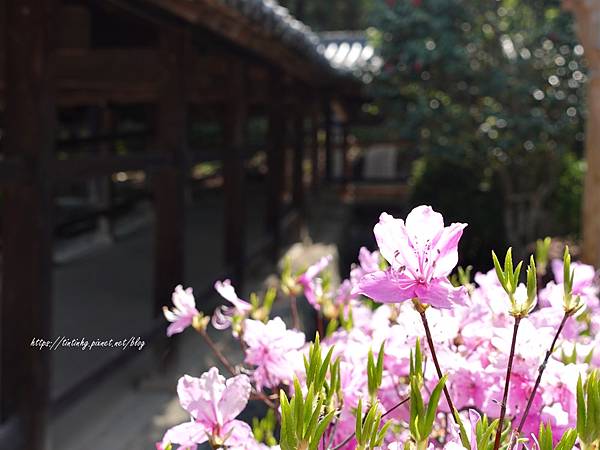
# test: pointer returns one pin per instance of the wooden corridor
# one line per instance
(235, 59)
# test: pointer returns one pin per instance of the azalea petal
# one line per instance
(253, 329)
(394, 242)
(187, 435)
(318, 267)
(446, 250)
(386, 287)
(222, 317)
(238, 433)
(235, 397)
(441, 294)
(227, 291)
(423, 225)
(200, 396)
(179, 325)
(183, 299)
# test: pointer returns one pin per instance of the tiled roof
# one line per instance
(345, 53)
(351, 51)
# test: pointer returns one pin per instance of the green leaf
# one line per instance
(359, 421)
(545, 437)
(434, 400)
(312, 425)
(288, 437)
(380, 365)
(567, 442)
(508, 263)
(316, 437)
(323, 370)
(298, 401)
(516, 276)
(531, 280)
(309, 407)
(499, 271)
(581, 413)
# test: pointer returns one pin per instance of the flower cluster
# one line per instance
(496, 348)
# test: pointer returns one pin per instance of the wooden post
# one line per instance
(328, 124)
(168, 182)
(275, 158)
(101, 186)
(314, 149)
(587, 16)
(298, 172)
(233, 170)
(346, 163)
(26, 286)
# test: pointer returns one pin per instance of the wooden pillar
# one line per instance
(26, 286)
(275, 158)
(169, 181)
(346, 163)
(101, 186)
(234, 171)
(328, 125)
(587, 16)
(314, 149)
(298, 172)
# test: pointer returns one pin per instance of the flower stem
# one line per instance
(218, 353)
(223, 359)
(295, 315)
(540, 372)
(507, 384)
(421, 310)
(320, 324)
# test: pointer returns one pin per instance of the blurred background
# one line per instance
(148, 143)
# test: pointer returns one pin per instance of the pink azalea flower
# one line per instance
(310, 282)
(184, 311)
(422, 253)
(223, 315)
(368, 263)
(274, 350)
(213, 403)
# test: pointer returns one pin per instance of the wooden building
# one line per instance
(233, 58)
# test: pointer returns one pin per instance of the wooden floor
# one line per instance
(134, 406)
(107, 292)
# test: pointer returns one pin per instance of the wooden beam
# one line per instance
(168, 182)
(275, 159)
(67, 170)
(25, 302)
(234, 133)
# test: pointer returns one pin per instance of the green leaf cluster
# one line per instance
(369, 432)
(374, 373)
(262, 310)
(571, 304)
(588, 410)
(509, 279)
(305, 417)
(264, 429)
(542, 250)
(545, 439)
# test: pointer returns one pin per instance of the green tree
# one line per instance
(496, 85)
